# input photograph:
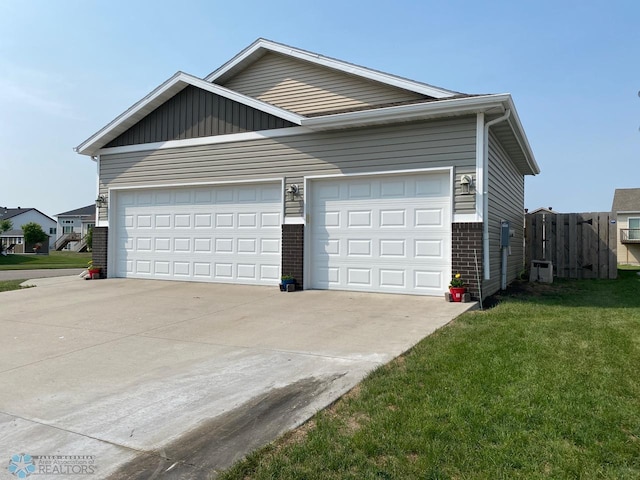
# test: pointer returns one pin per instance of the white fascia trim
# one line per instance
(217, 139)
(407, 112)
(384, 172)
(196, 184)
(294, 221)
(521, 137)
(84, 147)
(130, 117)
(333, 63)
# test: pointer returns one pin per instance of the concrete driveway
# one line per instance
(157, 379)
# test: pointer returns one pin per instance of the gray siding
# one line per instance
(465, 203)
(506, 202)
(305, 88)
(442, 143)
(196, 113)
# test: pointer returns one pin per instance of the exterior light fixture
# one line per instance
(466, 182)
(101, 201)
(292, 190)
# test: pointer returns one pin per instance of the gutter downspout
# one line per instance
(485, 194)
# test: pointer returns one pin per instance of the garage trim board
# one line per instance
(226, 232)
(381, 232)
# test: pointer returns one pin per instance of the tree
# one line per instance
(5, 225)
(89, 239)
(33, 233)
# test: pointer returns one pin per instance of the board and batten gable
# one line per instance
(506, 202)
(195, 113)
(305, 88)
(434, 144)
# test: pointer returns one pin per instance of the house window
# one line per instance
(67, 229)
(52, 231)
(634, 229)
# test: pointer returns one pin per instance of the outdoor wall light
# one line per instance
(292, 191)
(101, 201)
(466, 182)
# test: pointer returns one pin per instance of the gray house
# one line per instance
(285, 161)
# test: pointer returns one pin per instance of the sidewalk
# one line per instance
(42, 273)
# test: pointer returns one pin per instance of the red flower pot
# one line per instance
(456, 293)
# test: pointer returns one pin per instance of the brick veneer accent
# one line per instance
(293, 252)
(99, 249)
(465, 237)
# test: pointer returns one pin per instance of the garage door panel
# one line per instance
(184, 234)
(163, 221)
(392, 278)
(429, 217)
(385, 234)
(432, 249)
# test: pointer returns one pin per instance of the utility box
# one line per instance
(505, 234)
(541, 271)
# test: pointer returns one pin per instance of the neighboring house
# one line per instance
(542, 210)
(283, 161)
(626, 209)
(22, 216)
(73, 227)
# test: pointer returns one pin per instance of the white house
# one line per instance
(73, 227)
(21, 216)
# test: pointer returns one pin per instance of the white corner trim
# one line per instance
(352, 69)
(216, 139)
(294, 221)
(466, 218)
(479, 164)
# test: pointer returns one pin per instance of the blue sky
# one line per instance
(67, 68)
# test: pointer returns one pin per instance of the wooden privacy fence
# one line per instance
(579, 245)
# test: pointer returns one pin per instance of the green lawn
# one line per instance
(544, 385)
(53, 260)
(6, 285)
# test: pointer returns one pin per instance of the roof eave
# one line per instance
(497, 103)
(408, 113)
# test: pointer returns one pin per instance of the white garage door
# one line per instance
(228, 234)
(381, 233)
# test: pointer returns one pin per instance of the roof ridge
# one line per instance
(247, 54)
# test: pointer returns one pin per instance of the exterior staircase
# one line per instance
(64, 240)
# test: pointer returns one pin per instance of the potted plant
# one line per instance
(286, 280)
(456, 288)
(94, 272)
